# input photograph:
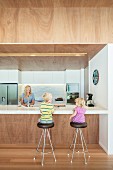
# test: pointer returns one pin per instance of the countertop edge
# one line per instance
(61, 110)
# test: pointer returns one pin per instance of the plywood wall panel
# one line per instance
(55, 3)
(87, 24)
(56, 25)
(83, 3)
(26, 25)
(22, 129)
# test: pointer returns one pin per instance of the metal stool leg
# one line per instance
(40, 140)
(83, 146)
(51, 145)
(43, 146)
(45, 133)
(78, 139)
(39, 144)
(73, 140)
(74, 144)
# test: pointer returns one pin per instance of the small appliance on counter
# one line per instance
(59, 102)
(72, 91)
(89, 101)
(71, 97)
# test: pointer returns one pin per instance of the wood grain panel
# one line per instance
(41, 62)
(32, 132)
(54, 3)
(60, 131)
(26, 3)
(22, 129)
(90, 49)
(82, 25)
(27, 48)
(26, 25)
(14, 158)
(83, 3)
(56, 25)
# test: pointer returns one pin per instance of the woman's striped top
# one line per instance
(46, 110)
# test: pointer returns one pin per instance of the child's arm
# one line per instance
(40, 109)
(52, 111)
(74, 114)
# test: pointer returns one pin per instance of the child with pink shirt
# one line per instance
(79, 111)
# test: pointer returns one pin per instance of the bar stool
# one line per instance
(45, 132)
(78, 133)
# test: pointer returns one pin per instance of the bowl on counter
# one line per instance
(59, 99)
(39, 99)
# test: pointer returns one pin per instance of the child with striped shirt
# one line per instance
(46, 109)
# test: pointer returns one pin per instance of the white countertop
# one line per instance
(14, 109)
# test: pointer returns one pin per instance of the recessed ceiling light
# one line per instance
(32, 55)
(43, 54)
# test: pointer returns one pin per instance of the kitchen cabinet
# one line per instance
(42, 77)
(48, 77)
(27, 77)
(72, 76)
(58, 77)
(13, 76)
(8, 76)
(3, 76)
(36, 77)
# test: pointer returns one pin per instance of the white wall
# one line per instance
(100, 92)
(82, 83)
(110, 99)
(103, 132)
(86, 81)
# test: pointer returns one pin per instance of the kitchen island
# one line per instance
(18, 125)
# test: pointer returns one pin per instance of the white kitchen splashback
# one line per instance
(58, 91)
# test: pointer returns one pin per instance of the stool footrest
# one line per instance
(76, 142)
(45, 133)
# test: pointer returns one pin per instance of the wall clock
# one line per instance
(95, 77)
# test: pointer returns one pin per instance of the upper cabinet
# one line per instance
(42, 77)
(27, 77)
(72, 76)
(4, 76)
(48, 77)
(13, 76)
(58, 77)
(8, 76)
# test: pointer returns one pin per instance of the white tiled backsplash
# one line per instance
(57, 91)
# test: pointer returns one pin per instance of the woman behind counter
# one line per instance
(28, 98)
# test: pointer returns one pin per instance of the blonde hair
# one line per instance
(80, 102)
(25, 89)
(47, 97)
